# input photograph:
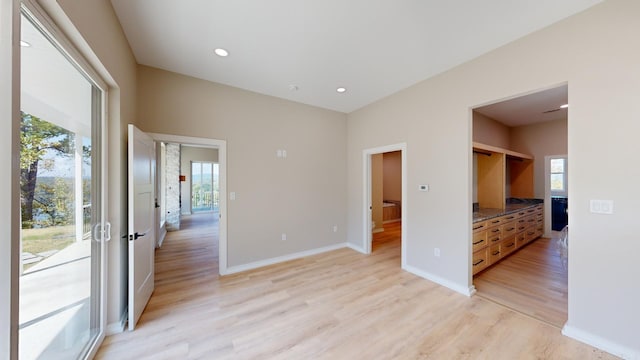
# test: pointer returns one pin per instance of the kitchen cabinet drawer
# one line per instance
(521, 240)
(479, 226)
(496, 230)
(494, 222)
(494, 253)
(480, 260)
(493, 239)
(508, 245)
(509, 229)
(496, 238)
(479, 240)
(531, 233)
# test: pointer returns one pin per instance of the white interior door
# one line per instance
(141, 167)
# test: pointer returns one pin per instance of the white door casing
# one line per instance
(366, 186)
(141, 235)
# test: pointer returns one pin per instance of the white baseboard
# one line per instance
(600, 343)
(279, 259)
(359, 249)
(467, 291)
(118, 327)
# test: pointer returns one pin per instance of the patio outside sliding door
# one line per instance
(60, 181)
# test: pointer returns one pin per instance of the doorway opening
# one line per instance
(192, 189)
(385, 199)
(516, 261)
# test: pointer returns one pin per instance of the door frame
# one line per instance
(221, 145)
(366, 196)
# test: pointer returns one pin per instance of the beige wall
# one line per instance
(187, 155)
(95, 30)
(540, 140)
(490, 132)
(392, 181)
(303, 195)
(597, 54)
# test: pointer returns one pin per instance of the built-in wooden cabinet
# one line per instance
(496, 238)
(502, 174)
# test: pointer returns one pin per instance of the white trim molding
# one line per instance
(280, 259)
(466, 291)
(366, 197)
(600, 343)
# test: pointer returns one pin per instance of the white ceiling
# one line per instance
(374, 48)
(528, 109)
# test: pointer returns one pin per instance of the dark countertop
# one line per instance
(511, 206)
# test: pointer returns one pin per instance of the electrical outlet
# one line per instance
(335, 228)
(284, 237)
(436, 252)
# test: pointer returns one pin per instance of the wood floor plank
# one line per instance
(337, 305)
(531, 281)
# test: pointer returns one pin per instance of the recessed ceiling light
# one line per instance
(24, 43)
(341, 90)
(564, 106)
(221, 52)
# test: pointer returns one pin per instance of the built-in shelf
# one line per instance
(502, 173)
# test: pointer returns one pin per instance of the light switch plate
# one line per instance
(601, 206)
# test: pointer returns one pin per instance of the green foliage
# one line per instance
(37, 137)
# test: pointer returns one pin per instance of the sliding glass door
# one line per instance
(60, 315)
(204, 186)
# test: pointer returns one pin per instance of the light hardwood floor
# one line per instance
(337, 305)
(531, 281)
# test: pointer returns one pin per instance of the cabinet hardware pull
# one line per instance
(495, 230)
(510, 245)
(478, 227)
(478, 263)
(496, 253)
(510, 217)
(496, 239)
(478, 242)
(511, 229)
(495, 221)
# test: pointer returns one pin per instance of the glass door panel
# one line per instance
(59, 179)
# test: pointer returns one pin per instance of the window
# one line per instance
(558, 175)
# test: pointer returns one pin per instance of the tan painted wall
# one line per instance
(377, 179)
(490, 132)
(540, 140)
(95, 30)
(596, 52)
(392, 181)
(187, 155)
(303, 195)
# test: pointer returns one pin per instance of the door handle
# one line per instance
(136, 236)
